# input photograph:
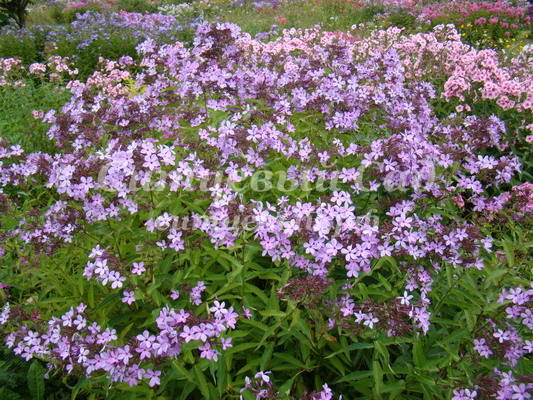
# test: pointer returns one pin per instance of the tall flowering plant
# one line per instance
(296, 206)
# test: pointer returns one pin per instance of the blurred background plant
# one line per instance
(14, 10)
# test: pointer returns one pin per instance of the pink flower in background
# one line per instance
(77, 4)
(37, 114)
(37, 68)
(459, 201)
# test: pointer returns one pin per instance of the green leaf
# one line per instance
(247, 395)
(202, 382)
(493, 277)
(90, 295)
(108, 300)
(353, 346)
(395, 387)
(287, 358)
(285, 389)
(382, 350)
(222, 375)
(266, 357)
(354, 376)
(509, 252)
(187, 389)
(338, 366)
(240, 348)
(377, 373)
(418, 354)
(35, 379)
(182, 371)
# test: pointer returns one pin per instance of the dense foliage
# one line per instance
(305, 214)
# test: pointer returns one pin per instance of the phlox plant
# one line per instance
(318, 216)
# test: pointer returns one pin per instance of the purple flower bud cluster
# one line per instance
(308, 291)
(395, 317)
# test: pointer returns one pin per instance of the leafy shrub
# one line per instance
(139, 6)
(26, 92)
(69, 15)
(21, 44)
(112, 46)
(20, 380)
(16, 121)
(371, 11)
(4, 17)
(402, 19)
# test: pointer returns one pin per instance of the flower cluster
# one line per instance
(72, 342)
(195, 11)
(398, 317)
(508, 340)
(399, 4)
(471, 75)
(419, 157)
(104, 268)
(56, 69)
(466, 9)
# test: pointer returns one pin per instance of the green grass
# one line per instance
(331, 15)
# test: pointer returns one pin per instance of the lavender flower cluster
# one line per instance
(503, 340)
(72, 342)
